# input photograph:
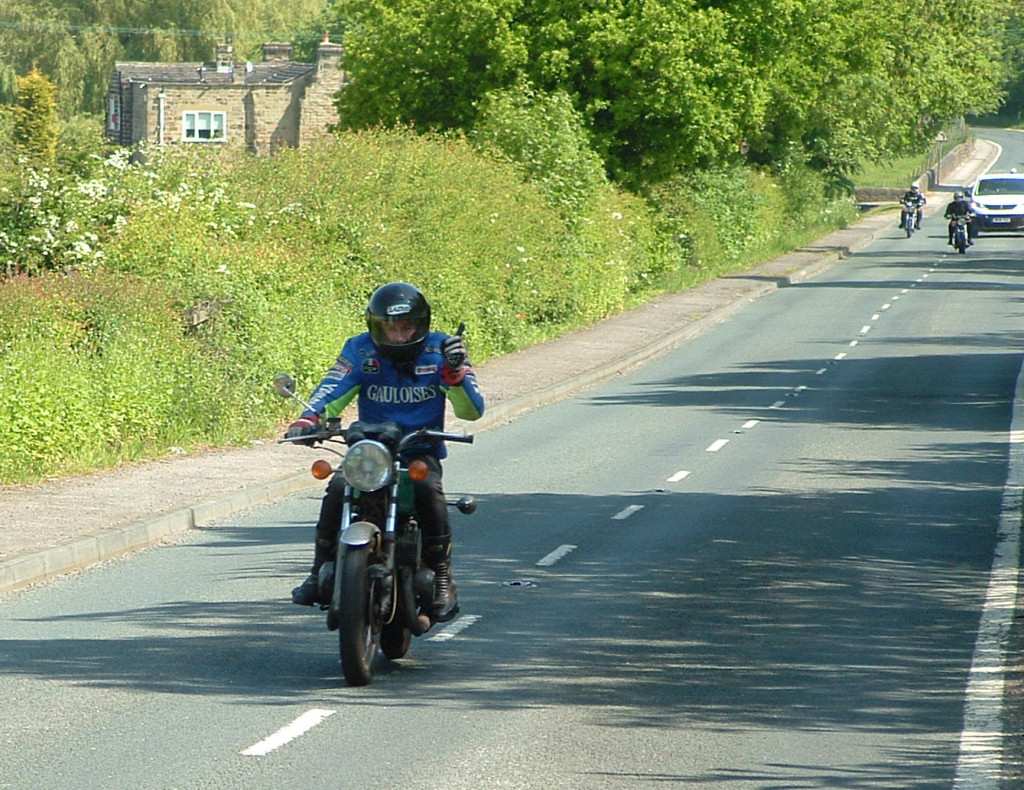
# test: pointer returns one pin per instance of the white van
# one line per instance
(998, 201)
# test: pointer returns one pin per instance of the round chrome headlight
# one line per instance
(367, 465)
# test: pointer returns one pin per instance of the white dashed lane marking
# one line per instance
(556, 555)
(289, 733)
(454, 629)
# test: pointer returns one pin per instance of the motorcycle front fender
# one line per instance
(360, 533)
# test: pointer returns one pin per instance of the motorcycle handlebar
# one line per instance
(427, 433)
(333, 432)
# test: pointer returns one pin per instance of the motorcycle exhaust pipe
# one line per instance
(418, 624)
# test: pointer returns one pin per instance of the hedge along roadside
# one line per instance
(216, 272)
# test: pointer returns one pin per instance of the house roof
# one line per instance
(266, 73)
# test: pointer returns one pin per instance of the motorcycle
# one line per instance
(378, 588)
(909, 217)
(961, 235)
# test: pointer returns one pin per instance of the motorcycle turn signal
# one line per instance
(418, 470)
(322, 469)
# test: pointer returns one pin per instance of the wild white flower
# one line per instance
(118, 159)
(93, 189)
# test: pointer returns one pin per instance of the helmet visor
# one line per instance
(397, 332)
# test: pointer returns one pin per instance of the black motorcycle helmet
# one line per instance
(397, 303)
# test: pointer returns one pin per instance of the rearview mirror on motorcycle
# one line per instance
(284, 385)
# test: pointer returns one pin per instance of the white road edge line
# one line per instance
(557, 554)
(305, 722)
(981, 740)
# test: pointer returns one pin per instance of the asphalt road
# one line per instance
(762, 560)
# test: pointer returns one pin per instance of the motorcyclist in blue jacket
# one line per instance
(397, 371)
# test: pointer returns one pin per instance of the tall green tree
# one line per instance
(35, 129)
(847, 84)
(76, 42)
(426, 62)
(660, 83)
(1014, 62)
(670, 84)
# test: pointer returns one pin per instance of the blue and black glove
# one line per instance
(453, 349)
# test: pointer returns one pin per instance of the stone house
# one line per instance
(262, 106)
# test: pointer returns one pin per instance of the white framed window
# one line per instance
(204, 126)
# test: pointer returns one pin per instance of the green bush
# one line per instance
(96, 369)
(544, 137)
(167, 293)
(736, 215)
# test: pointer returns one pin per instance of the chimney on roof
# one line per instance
(328, 55)
(225, 57)
(275, 51)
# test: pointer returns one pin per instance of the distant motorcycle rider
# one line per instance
(397, 371)
(960, 206)
(916, 199)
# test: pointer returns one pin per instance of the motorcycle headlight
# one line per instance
(367, 465)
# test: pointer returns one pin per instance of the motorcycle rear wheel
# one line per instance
(358, 630)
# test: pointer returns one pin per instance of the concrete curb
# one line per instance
(48, 563)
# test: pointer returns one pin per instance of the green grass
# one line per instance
(902, 171)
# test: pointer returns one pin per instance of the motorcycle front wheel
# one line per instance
(358, 629)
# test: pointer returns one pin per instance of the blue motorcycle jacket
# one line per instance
(412, 396)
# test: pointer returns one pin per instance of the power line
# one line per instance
(137, 31)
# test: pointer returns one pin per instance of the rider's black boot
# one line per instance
(445, 605)
(308, 593)
(327, 528)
